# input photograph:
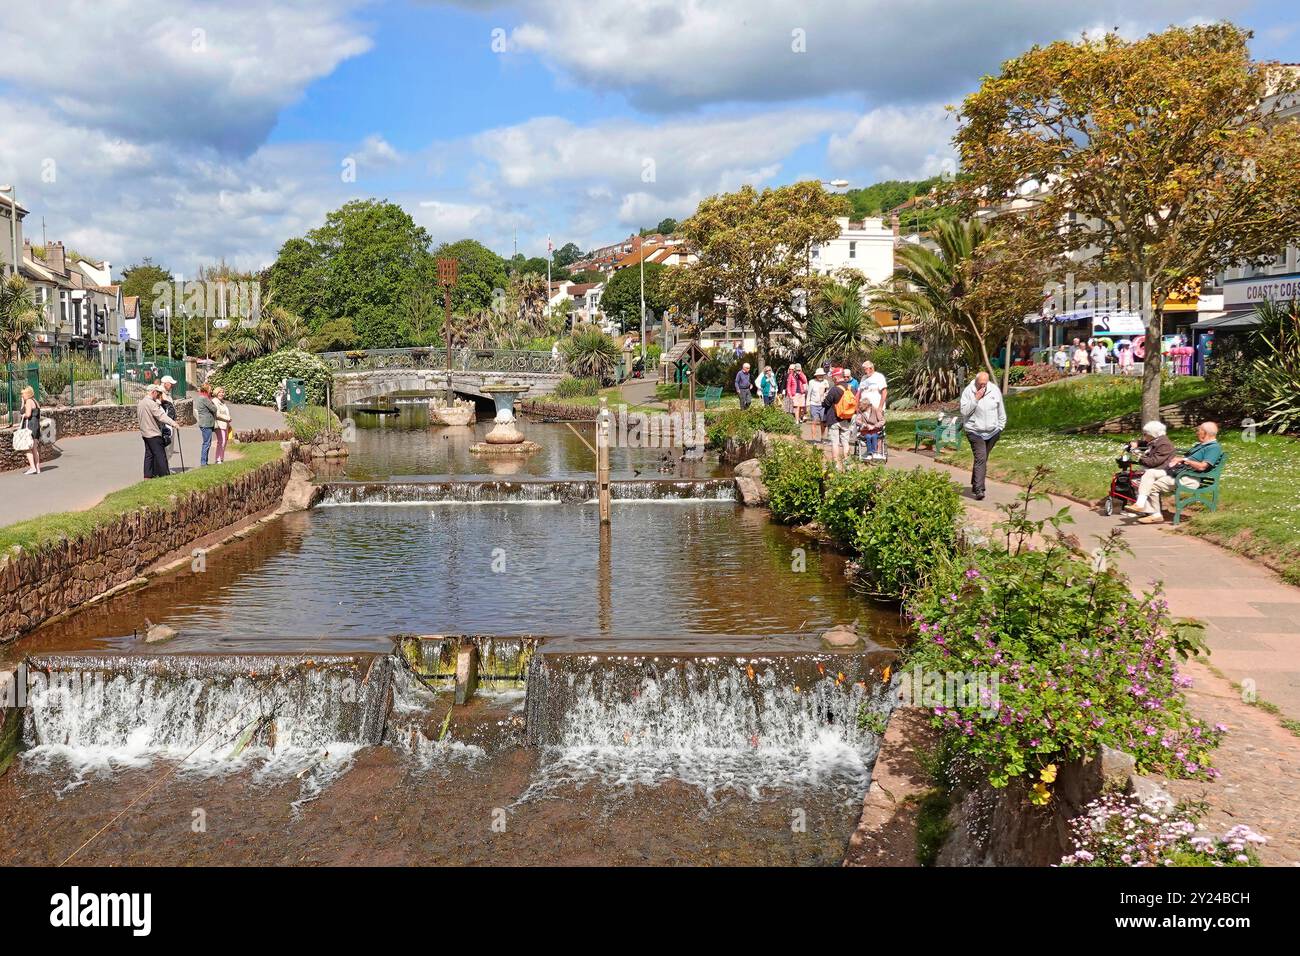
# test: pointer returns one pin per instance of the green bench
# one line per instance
(712, 396)
(1207, 493)
(938, 432)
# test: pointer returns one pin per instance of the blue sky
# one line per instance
(216, 130)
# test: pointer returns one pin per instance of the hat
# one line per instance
(820, 371)
(154, 387)
(168, 380)
(798, 366)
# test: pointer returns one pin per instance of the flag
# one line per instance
(549, 247)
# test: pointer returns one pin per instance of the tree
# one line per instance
(335, 335)
(839, 328)
(18, 314)
(566, 255)
(753, 250)
(360, 265)
(974, 291)
(1162, 157)
(481, 272)
(590, 353)
(622, 296)
(276, 329)
(667, 226)
(142, 280)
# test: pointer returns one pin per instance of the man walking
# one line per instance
(839, 407)
(153, 420)
(984, 416)
(205, 413)
(744, 387)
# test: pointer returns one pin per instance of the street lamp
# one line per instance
(13, 222)
(835, 183)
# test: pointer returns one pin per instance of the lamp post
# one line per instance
(447, 279)
(13, 222)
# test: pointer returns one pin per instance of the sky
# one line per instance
(193, 131)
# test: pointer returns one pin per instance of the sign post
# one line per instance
(447, 279)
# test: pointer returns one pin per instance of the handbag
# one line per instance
(22, 440)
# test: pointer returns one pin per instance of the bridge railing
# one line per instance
(462, 360)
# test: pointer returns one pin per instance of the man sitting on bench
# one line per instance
(1203, 456)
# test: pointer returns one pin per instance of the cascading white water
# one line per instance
(99, 712)
(484, 492)
(718, 724)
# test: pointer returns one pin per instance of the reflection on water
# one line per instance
(406, 444)
(692, 573)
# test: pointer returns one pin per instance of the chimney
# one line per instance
(54, 257)
(893, 222)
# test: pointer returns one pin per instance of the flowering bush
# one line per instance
(1080, 662)
(254, 382)
(1121, 830)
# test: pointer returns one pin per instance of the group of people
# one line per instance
(1165, 468)
(1093, 355)
(156, 413)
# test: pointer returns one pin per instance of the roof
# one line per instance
(583, 287)
(131, 306)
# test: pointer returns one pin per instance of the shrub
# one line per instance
(590, 353)
(1080, 662)
(254, 382)
(794, 475)
(570, 387)
(743, 424)
(894, 361)
(310, 423)
(849, 494)
(1119, 829)
(910, 530)
(1031, 375)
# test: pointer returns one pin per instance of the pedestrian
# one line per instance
(1124, 353)
(873, 387)
(223, 426)
(796, 392)
(744, 387)
(205, 414)
(27, 437)
(1061, 359)
(839, 407)
(767, 386)
(817, 390)
(1079, 357)
(1098, 355)
(984, 416)
(169, 407)
(152, 420)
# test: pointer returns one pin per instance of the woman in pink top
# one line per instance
(796, 390)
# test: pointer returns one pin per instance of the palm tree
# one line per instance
(276, 329)
(840, 328)
(18, 314)
(590, 353)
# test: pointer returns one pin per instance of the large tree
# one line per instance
(753, 250)
(1162, 158)
(622, 296)
(480, 274)
(142, 280)
(566, 255)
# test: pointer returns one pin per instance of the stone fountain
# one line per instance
(505, 437)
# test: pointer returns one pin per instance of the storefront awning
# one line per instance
(1227, 320)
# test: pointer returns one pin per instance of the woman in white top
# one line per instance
(222, 426)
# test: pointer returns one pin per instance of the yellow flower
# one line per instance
(1049, 773)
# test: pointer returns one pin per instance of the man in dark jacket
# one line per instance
(744, 387)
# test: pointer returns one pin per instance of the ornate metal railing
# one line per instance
(462, 360)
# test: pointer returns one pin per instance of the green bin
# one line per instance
(297, 394)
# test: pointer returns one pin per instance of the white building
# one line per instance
(866, 245)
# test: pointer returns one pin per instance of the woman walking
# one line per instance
(222, 433)
(28, 436)
(796, 390)
(767, 385)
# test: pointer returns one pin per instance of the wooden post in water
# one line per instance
(602, 461)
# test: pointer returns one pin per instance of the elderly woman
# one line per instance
(1155, 457)
(1205, 455)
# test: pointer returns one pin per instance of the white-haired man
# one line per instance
(1181, 469)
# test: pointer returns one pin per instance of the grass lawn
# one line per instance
(1259, 512)
(47, 529)
(668, 392)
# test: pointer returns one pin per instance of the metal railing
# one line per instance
(434, 359)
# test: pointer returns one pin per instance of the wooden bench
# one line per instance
(712, 396)
(937, 431)
(1207, 492)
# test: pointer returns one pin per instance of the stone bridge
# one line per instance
(362, 375)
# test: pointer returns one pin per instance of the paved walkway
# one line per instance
(92, 466)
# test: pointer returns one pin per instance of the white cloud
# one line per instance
(178, 71)
(912, 142)
(668, 55)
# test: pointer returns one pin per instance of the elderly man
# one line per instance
(152, 420)
(744, 386)
(1201, 457)
(873, 387)
(983, 416)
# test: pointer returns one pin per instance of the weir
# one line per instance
(477, 492)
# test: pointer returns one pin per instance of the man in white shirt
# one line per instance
(872, 386)
(1098, 356)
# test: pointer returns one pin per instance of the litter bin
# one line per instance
(296, 396)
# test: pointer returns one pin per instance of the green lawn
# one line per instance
(155, 493)
(1259, 513)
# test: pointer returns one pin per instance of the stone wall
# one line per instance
(69, 422)
(1186, 414)
(37, 585)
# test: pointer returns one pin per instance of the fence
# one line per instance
(462, 360)
(69, 379)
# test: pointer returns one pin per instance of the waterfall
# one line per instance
(100, 711)
(721, 723)
(480, 492)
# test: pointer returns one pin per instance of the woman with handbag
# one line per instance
(28, 435)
